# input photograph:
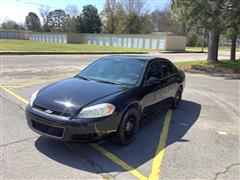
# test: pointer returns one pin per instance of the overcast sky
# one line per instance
(17, 10)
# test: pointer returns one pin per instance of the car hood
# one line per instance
(70, 95)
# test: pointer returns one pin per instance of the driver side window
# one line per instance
(154, 71)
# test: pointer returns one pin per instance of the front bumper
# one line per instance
(63, 128)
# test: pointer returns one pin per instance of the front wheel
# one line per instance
(177, 99)
(128, 128)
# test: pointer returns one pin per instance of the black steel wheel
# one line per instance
(128, 128)
(177, 99)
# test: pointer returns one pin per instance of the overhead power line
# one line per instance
(36, 4)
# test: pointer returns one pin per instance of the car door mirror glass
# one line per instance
(153, 80)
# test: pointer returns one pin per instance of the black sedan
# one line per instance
(108, 99)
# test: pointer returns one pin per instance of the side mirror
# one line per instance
(152, 81)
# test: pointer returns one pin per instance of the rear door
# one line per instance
(168, 80)
(159, 95)
(152, 92)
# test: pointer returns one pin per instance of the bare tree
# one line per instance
(133, 6)
(72, 10)
(44, 10)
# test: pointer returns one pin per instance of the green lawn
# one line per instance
(26, 45)
(223, 66)
(199, 49)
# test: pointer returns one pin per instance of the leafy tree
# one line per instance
(234, 30)
(212, 15)
(164, 21)
(70, 24)
(33, 22)
(147, 26)
(89, 21)
(161, 20)
(180, 14)
(56, 20)
(131, 17)
(119, 18)
(79, 25)
(109, 17)
(132, 23)
(11, 25)
(134, 9)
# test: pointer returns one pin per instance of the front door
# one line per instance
(152, 91)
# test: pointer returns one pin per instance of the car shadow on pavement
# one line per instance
(141, 151)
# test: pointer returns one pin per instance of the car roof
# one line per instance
(127, 57)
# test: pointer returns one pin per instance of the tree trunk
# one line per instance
(213, 46)
(183, 30)
(203, 38)
(233, 47)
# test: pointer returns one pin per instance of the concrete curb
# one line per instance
(215, 74)
(66, 52)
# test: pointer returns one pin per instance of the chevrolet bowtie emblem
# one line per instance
(48, 111)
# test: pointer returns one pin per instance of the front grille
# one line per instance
(84, 136)
(65, 114)
(46, 129)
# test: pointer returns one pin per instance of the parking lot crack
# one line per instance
(19, 141)
(225, 171)
(16, 104)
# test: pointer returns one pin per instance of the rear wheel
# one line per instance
(177, 99)
(128, 128)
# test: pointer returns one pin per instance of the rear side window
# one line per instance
(166, 69)
(160, 69)
(154, 70)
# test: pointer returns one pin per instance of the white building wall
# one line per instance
(151, 41)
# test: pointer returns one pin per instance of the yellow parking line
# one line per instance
(157, 161)
(14, 85)
(15, 95)
(33, 83)
(20, 85)
(95, 146)
(119, 162)
(8, 86)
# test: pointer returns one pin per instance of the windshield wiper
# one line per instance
(83, 77)
(108, 82)
(102, 81)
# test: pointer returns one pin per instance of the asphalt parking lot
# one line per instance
(198, 141)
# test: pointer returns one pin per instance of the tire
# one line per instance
(177, 99)
(128, 128)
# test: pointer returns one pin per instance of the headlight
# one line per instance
(96, 111)
(34, 95)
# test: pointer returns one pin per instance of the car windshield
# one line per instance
(115, 71)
